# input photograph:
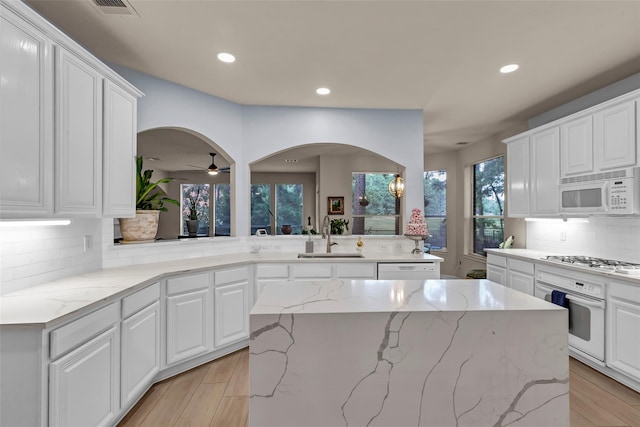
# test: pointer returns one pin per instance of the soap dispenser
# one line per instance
(308, 245)
(359, 244)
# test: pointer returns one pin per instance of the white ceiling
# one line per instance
(438, 56)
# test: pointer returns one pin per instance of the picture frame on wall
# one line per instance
(335, 205)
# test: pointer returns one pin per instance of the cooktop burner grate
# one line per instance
(586, 261)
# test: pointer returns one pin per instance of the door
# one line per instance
(623, 346)
(78, 136)
(187, 324)
(140, 352)
(518, 177)
(521, 282)
(576, 147)
(231, 313)
(83, 385)
(615, 137)
(545, 171)
(119, 148)
(26, 120)
(496, 274)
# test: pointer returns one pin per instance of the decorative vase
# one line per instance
(140, 229)
(286, 229)
(192, 227)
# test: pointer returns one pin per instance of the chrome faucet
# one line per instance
(326, 233)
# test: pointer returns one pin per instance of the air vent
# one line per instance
(115, 7)
(622, 173)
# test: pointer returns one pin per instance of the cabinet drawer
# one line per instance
(179, 285)
(140, 299)
(500, 261)
(356, 270)
(624, 291)
(312, 270)
(521, 266)
(272, 271)
(75, 333)
(232, 275)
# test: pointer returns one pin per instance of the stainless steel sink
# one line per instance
(332, 255)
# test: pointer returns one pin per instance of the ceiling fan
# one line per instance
(213, 169)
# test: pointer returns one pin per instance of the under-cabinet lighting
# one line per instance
(34, 223)
(557, 219)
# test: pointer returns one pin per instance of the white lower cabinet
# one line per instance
(140, 352)
(623, 323)
(520, 275)
(231, 313)
(189, 317)
(266, 273)
(84, 384)
(497, 269)
(231, 305)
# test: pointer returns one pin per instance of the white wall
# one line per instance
(606, 237)
(33, 255)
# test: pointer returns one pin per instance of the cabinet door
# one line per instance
(140, 352)
(623, 345)
(83, 385)
(520, 282)
(356, 270)
(119, 150)
(26, 120)
(518, 177)
(231, 313)
(188, 324)
(497, 274)
(615, 138)
(78, 136)
(576, 147)
(545, 172)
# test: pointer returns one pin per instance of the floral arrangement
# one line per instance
(338, 225)
(195, 197)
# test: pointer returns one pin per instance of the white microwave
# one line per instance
(607, 193)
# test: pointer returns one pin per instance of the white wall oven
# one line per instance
(585, 302)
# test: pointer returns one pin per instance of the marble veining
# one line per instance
(433, 353)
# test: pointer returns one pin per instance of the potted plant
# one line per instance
(150, 202)
(339, 225)
(194, 196)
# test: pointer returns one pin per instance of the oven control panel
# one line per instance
(580, 283)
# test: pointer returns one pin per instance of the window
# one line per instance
(375, 210)
(488, 204)
(287, 205)
(261, 207)
(222, 209)
(194, 204)
(435, 208)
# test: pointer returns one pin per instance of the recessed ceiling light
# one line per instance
(323, 91)
(226, 57)
(509, 68)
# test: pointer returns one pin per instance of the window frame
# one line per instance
(397, 216)
(469, 208)
(443, 249)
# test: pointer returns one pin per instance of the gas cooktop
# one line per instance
(598, 263)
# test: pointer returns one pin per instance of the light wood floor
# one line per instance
(216, 394)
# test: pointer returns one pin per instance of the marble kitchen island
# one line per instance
(406, 353)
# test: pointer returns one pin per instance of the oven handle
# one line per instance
(581, 301)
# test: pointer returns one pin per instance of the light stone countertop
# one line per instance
(539, 257)
(51, 303)
(386, 296)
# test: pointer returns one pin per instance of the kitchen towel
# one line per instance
(559, 298)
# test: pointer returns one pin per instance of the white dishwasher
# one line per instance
(408, 270)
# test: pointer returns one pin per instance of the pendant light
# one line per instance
(396, 186)
(212, 169)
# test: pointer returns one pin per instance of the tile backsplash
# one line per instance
(605, 237)
(33, 255)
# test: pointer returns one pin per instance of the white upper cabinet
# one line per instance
(119, 149)
(518, 176)
(576, 147)
(78, 135)
(26, 113)
(615, 136)
(52, 125)
(544, 171)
